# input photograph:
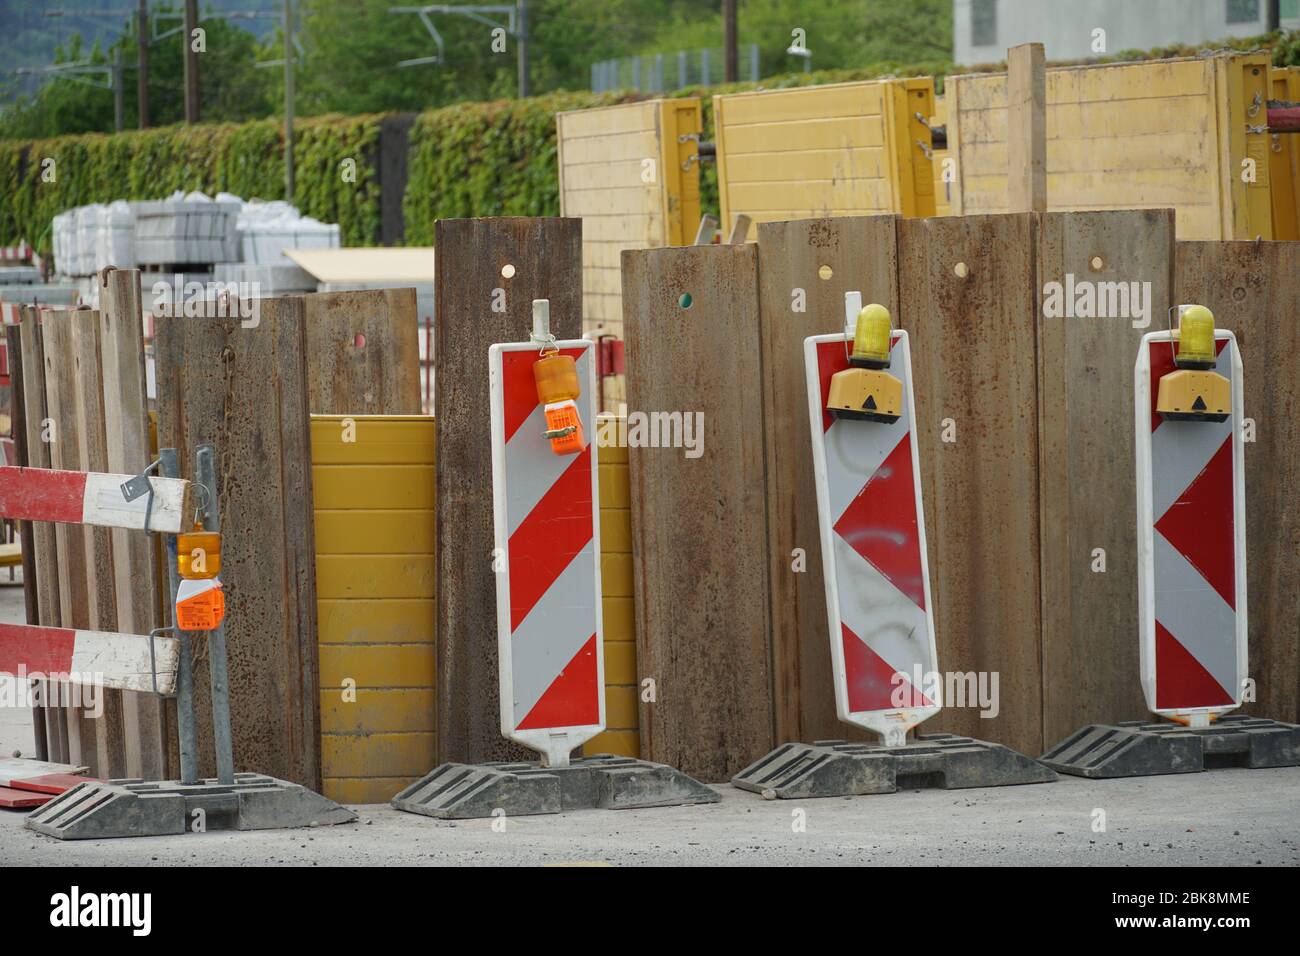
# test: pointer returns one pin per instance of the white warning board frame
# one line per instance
(1192, 621)
(546, 511)
(876, 571)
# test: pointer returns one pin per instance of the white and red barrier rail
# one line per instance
(101, 658)
(78, 497)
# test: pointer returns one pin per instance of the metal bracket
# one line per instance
(153, 663)
(140, 486)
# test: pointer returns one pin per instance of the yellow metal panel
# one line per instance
(620, 707)
(356, 790)
(619, 615)
(616, 575)
(377, 711)
(376, 621)
(374, 576)
(844, 149)
(1284, 160)
(377, 665)
(373, 486)
(803, 103)
(621, 743)
(630, 173)
(378, 755)
(620, 668)
(1135, 135)
(614, 488)
(615, 529)
(374, 532)
(372, 439)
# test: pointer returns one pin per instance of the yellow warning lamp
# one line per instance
(198, 554)
(865, 391)
(1195, 392)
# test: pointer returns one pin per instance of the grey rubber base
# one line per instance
(457, 791)
(129, 808)
(1138, 749)
(834, 768)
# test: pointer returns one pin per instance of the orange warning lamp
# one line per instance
(557, 387)
(198, 554)
(200, 604)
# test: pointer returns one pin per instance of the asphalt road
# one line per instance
(1242, 817)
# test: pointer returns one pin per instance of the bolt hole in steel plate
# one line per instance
(825, 272)
(1097, 263)
(359, 340)
(685, 300)
(508, 271)
(960, 270)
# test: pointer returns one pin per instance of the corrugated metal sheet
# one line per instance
(1166, 133)
(839, 150)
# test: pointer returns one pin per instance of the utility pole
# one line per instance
(730, 65)
(1273, 15)
(288, 100)
(142, 62)
(191, 62)
(521, 7)
(119, 94)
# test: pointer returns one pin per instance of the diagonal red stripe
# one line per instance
(573, 699)
(1200, 524)
(519, 387)
(871, 679)
(1181, 680)
(544, 544)
(880, 523)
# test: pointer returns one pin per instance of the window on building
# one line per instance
(1243, 11)
(984, 22)
(1289, 10)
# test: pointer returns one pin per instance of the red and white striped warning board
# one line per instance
(873, 551)
(78, 497)
(88, 657)
(1191, 543)
(548, 560)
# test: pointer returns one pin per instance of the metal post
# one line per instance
(192, 100)
(288, 101)
(730, 59)
(636, 73)
(119, 94)
(704, 67)
(206, 473)
(753, 62)
(142, 62)
(682, 77)
(521, 7)
(169, 467)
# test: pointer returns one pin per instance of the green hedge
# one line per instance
(470, 159)
(245, 159)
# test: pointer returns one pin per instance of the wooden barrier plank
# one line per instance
(699, 529)
(92, 452)
(1252, 289)
(968, 298)
(545, 256)
(363, 352)
(245, 390)
(1086, 459)
(93, 498)
(150, 732)
(105, 659)
(797, 302)
(70, 540)
(45, 550)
